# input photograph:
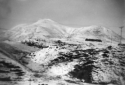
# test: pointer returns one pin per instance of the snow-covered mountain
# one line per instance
(72, 63)
(98, 32)
(48, 29)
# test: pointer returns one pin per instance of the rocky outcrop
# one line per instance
(99, 66)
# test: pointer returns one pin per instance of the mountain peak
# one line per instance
(44, 21)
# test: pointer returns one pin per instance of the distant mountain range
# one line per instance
(49, 29)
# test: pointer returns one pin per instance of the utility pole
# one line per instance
(121, 34)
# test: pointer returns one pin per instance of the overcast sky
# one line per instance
(75, 13)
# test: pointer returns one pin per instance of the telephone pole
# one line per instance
(121, 34)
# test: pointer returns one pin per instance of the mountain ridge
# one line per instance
(49, 29)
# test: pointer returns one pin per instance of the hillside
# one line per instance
(48, 53)
(98, 32)
(63, 63)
